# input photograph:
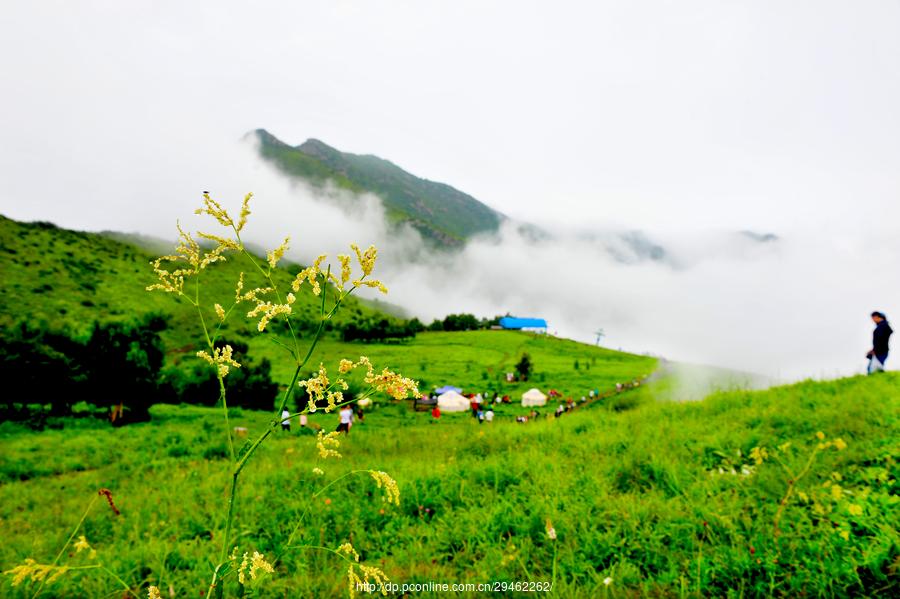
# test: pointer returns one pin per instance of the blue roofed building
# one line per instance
(523, 324)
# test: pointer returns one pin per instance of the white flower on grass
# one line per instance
(607, 581)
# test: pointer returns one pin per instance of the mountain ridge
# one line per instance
(444, 215)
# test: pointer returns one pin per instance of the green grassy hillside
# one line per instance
(478, 361)
(69, 279)
(440, 212)
(663, 500)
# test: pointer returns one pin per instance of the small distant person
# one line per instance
(303, 421)
(880, 341)
(435, 414)
(346, 415)
(489, 415)
(359, 414)
(285, 420)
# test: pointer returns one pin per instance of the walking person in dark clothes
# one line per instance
(880, 340)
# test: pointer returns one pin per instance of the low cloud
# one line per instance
(789, 307)
(786, 306)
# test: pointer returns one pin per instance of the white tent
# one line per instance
(533, 397)
(451, 401)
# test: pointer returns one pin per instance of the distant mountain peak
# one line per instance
(441, 213)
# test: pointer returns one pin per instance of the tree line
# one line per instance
(119, 369)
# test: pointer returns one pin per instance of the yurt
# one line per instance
(451, 401)
(533, 397)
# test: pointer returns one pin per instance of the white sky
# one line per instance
(674, 117)
(740, 114)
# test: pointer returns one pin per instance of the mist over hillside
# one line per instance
(789, 307)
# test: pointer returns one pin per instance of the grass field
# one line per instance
(645, 497)
(790, 491)
(478, 361)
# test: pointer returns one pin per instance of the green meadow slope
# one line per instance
(69, 279)
(665, 499)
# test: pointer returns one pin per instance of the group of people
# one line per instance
(478, 412)
(482, 411)
(346, 418)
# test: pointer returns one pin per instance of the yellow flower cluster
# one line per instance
(268, 310)
(366, 259)
(245, 212)
(220, 312)
(311, 274)
(320, 387)
(239, 287)
(318, 471)
(395, 385)
(838, 443)
(759, 455)
(81, 544)
(345, 268)
(370, 575)
(278, 253)
(215, 210)
(327, 444)
(256, 562)
(367, 263)
(551, 532)
(153, 593)
(348, 550)
(398, 387)
(36, 572)
(222, 242)
(391, 491)
(221, 359)
(189, 252)
(371, 283)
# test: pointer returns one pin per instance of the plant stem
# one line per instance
(792, 484)
(120, 581)
(225, 412)
(210, 342)
(226, 537)
(321, 548)
(316, 494)
(69, 540)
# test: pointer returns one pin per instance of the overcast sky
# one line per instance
(740, 114)
(673, 117)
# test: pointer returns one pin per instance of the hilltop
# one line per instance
(441, 213)
(69, 279)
